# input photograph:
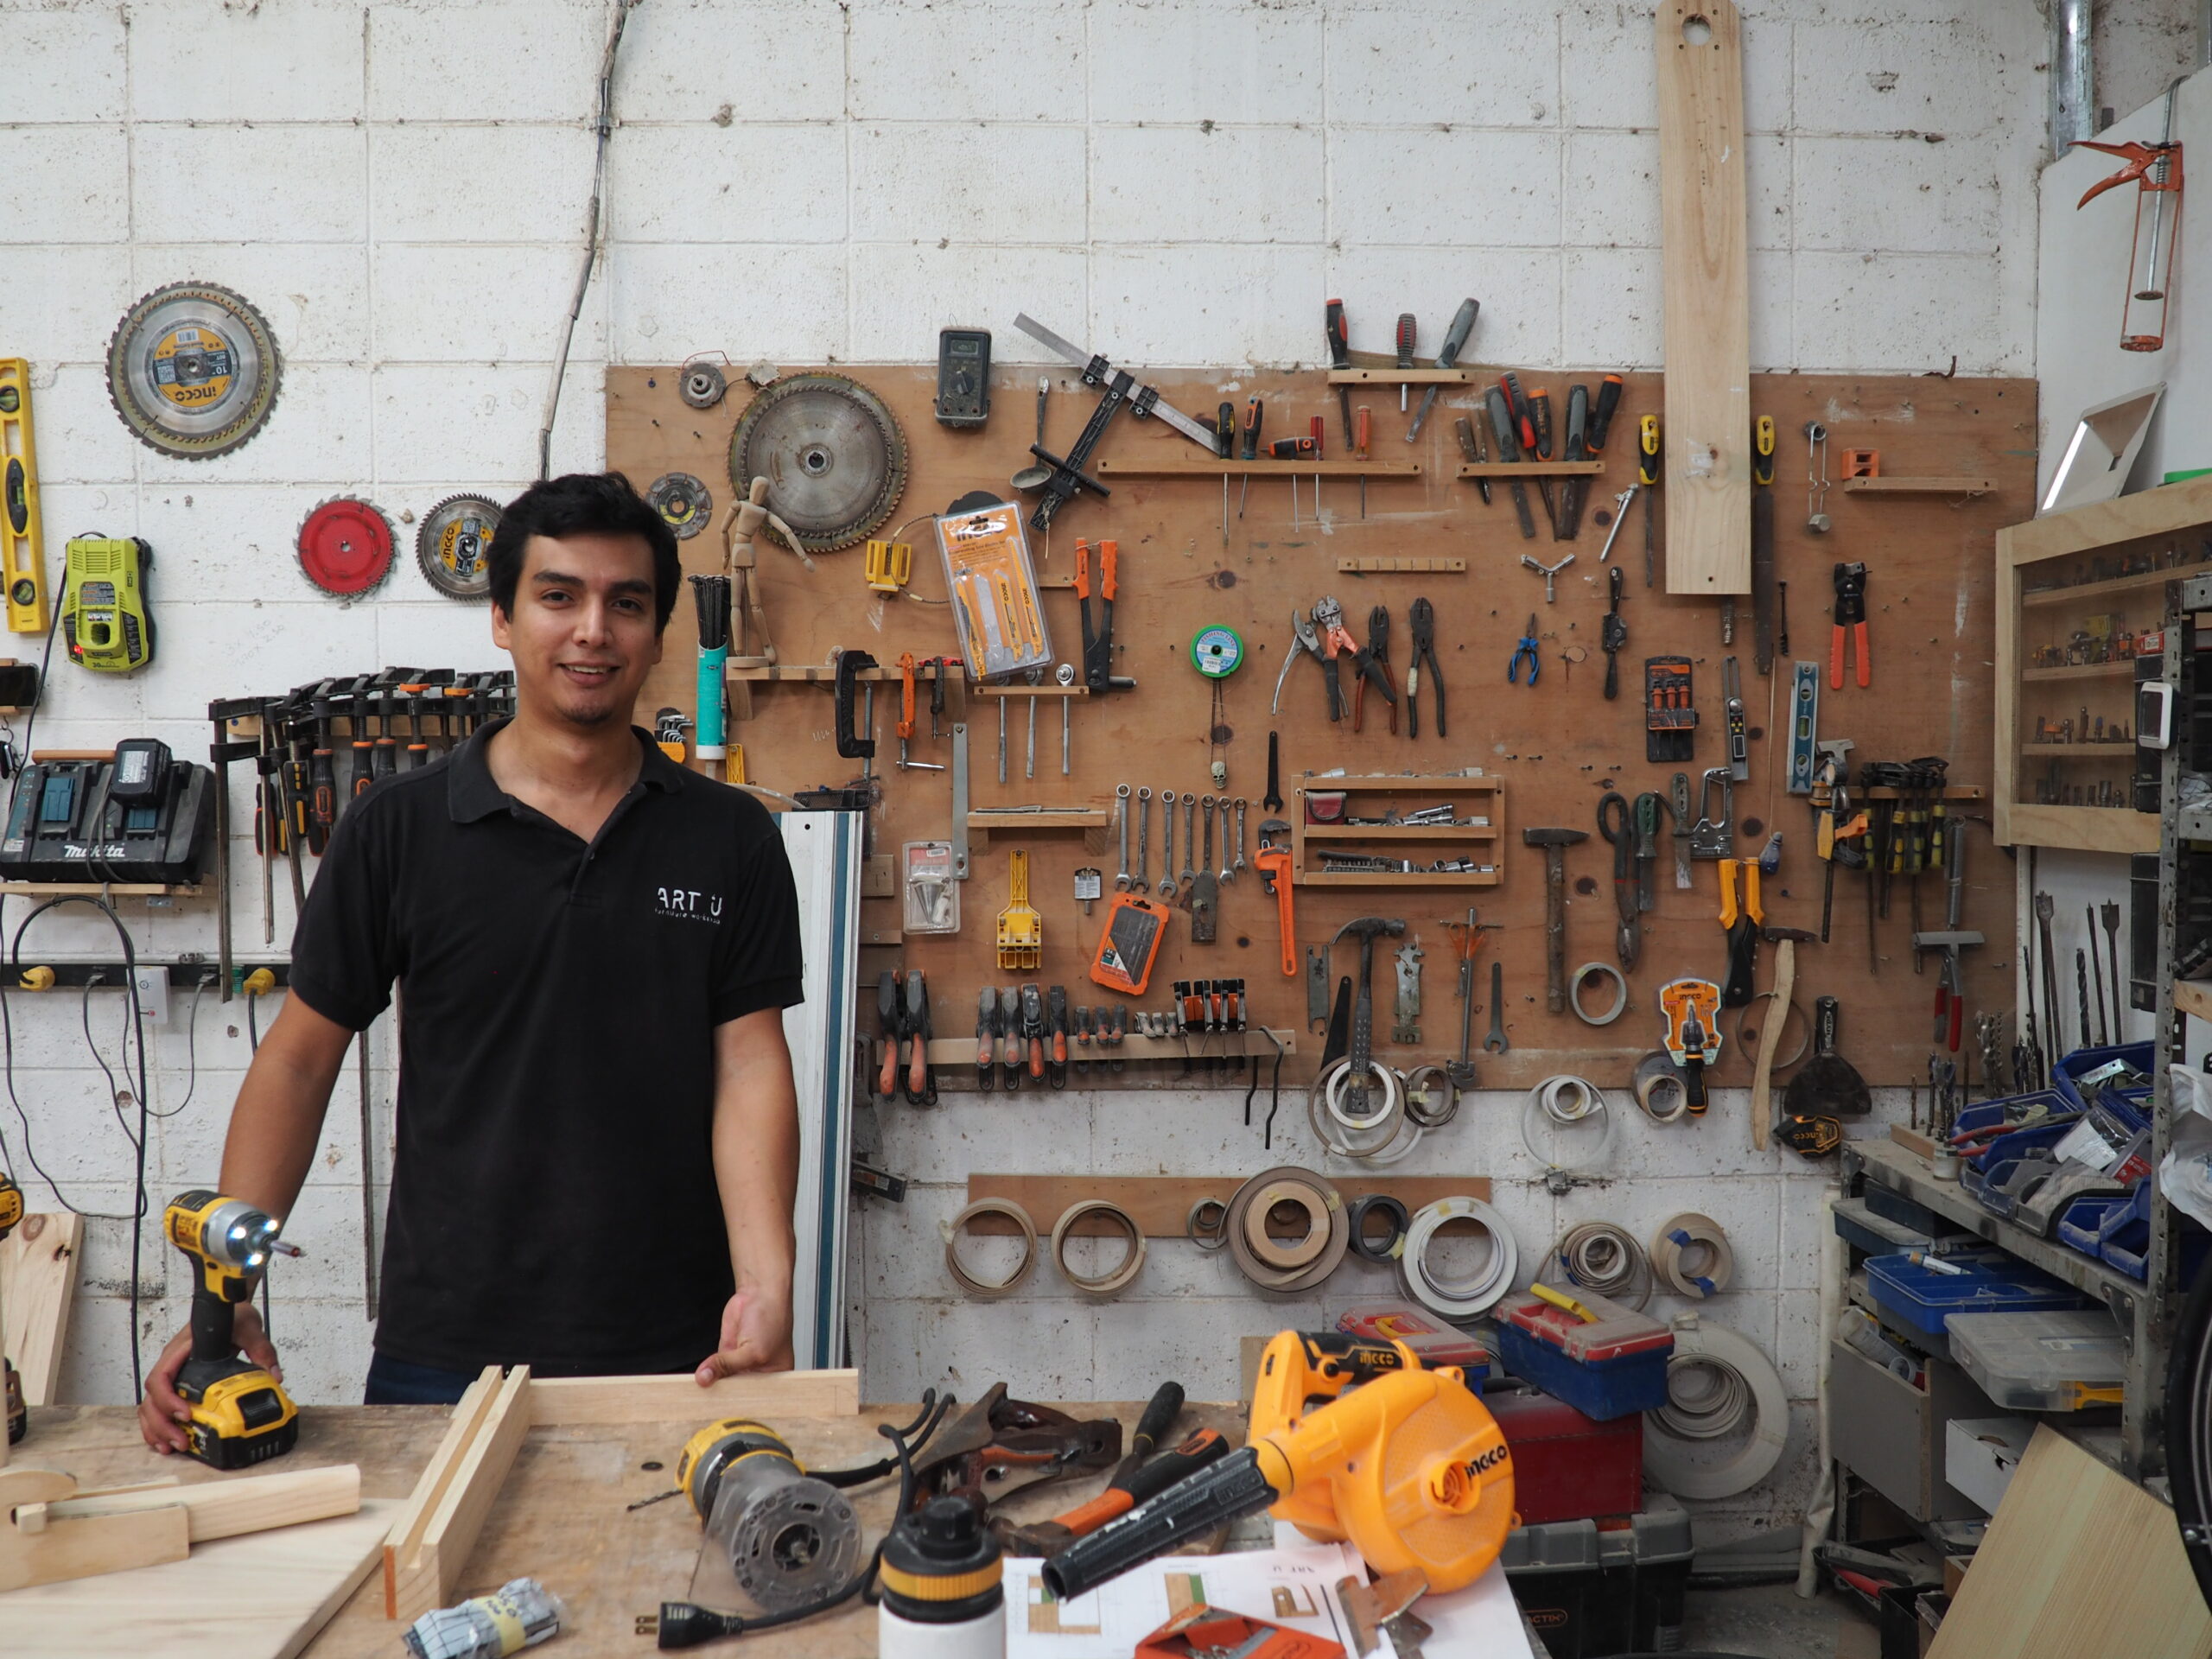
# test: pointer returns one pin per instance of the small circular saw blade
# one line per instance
(832, 453)
(345, 546)
(684, 502)
(452, 545)
(192, 369)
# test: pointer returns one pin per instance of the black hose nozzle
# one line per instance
(1228, 1490)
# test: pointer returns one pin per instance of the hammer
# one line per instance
(1362, 1011)
(1555, 843)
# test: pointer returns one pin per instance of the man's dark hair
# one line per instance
(583, 503)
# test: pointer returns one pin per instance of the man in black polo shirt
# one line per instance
(598, 1137)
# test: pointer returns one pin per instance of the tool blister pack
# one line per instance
(930, 886)
(994, 587)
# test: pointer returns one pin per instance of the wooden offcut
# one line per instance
(2079, 1563)
(229, 1509)
(427, 1578)
(38, 1283)
(1708, 426)
(659, 1398)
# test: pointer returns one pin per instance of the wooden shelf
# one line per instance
(1400, 832)
(1954, 793)
(2084, 828)
(1966, 486)
(822, 673)
(1020, 688)
(1073, 817)
(1398, 878)
(2194, 998)
(1160, 1205)
(1261, 469)
(2119, 668)
(2107, 751)
(108, 889)
(1511, 469)
(2081, 590)
(956, 1053)
(1394, 376)
(2170, 510)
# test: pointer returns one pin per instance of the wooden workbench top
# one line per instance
(560, 1518)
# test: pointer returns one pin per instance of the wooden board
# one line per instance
(263, 1596)
(1558, 746)
(1160, 1205)
(38, 1282)
(230, 1508)
(431, 1576)
(1706, 432)
(774, 1396)
(2078, 1563)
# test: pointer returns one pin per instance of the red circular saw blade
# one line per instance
(345, 546)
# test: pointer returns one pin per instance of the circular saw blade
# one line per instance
(345, 546)
(682, 502)
(453, 545)
(832, 453)
(193, 369)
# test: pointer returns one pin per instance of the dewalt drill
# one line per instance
(241, 1415)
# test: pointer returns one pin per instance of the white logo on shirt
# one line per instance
(688, 904)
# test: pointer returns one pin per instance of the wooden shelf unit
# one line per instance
(2048, 590)
(1473, 798)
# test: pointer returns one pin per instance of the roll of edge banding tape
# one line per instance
(1123, 1275)
(1208, 1225)
(1272, 1279)
(990, 1290)
(1394, 1243)
(1691, 1256)
(1286, 1257)
(1713, 1375)
(1461, 1297)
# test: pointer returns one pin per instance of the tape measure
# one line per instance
(1217, 651)
(22, 560)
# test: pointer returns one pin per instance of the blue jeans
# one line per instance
(401, 1382)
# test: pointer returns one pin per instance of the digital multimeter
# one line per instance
(963, 376)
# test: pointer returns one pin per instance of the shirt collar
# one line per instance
(472, 794)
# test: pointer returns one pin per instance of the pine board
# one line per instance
(263, 1596)
(38, 1282)
(2078, 1563)
(1558, 745)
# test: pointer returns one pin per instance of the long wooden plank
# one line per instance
(262, 1597)
(613, 1400)
(1707, 432)
(228, 1509)
(429, 1581)
(38, 1283)
(2078, 1563)
(405, 1542)
(1160, 1205)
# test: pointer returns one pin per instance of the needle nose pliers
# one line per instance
(1422, 620)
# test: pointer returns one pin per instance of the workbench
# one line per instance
(562, 1517)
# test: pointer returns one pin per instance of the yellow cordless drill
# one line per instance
(19, 1416)
(241, 1415)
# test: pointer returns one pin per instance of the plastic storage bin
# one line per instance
(2042, 1361)
(2142, 1056)
(1922, 1299)
(1566, 1467)
(1612, 1368)
(1591, 1591)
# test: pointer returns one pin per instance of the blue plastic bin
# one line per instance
(2082, 1227)
(2142, 1056)
(1921, 1298)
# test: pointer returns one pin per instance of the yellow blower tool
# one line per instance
(1407, 1465)
(241, 1415)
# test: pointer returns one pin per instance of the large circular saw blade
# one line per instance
(833, 456)
(453, 545)
(192, 369)
(345, 546)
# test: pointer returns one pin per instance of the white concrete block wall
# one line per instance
(400, 187)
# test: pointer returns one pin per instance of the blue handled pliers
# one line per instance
(1526, 648)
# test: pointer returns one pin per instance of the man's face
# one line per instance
(582, 635)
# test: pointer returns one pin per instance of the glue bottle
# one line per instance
(942, 1580)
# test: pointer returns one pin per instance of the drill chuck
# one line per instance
(1231, 1489)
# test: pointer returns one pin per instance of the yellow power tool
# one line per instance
(789, 1537)
(19, 1416)
(241, 1415)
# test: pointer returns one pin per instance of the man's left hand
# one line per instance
(756, 1336)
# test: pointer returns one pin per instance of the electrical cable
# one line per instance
(1466, 1295)
(191, 1049)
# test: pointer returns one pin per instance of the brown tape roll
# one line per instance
(986, 1290)
(1124, 1274)
(1276, 1254)
(1285, 1281)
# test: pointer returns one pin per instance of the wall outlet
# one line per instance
(153, 993)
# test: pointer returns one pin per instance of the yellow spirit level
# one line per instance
(22, 563)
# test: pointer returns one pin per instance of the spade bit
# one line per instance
(1407, 1029)
(1167, 846)
(1121, 818)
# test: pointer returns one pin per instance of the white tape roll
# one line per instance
(1713, 1375)
(1465, 1296)
(1568, 1102)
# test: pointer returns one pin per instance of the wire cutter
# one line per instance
(1305, 642)
(1616, 823)
(1422, 618)
(1526, 649)
(1329, 620)
(1851, 614)
(1372, 662)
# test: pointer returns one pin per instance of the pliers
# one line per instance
(1306, 643)
(1526, 648)
(1372, 661)
(1422, 617)
(1329, 621)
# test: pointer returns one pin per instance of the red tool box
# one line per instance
(1565, 1466)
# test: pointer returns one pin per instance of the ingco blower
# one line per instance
(1404, 1463)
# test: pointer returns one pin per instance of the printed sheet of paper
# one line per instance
(1296, 1587)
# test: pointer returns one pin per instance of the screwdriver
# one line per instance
(1463, 324)
(1249, 449)
(322, 781)
(1362, 427)
(1405, 353)
(1225, 440)
(1537, 440)
(1470, 451)
(1340, 358)
(1570, 488)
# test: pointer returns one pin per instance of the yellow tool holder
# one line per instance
(1021, 929)
(22, 560)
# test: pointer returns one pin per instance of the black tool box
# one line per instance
(1592, 1588)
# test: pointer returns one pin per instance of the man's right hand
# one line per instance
(162, 1414)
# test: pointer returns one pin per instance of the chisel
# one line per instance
(1455, 341)
(1339, 334)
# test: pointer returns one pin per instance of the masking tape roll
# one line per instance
(988, 1290)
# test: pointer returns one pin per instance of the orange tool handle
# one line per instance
(906, 695)
(1540, 409)
(1363, 425)
(1060, 1048)
(918, 1070)
(1752, 907)
(1835, 657)
(1275, 861)
(1728, 912)
(1205, 1447)
(1082, 569)
(887, 1079)
(1108, 554)
(1317, 428)
(1036, 1056)
(1859, 642)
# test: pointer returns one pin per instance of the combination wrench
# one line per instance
(1167, 844)
(1121, 818)
(1144, 841)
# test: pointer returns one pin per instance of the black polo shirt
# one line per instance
(553, 1195)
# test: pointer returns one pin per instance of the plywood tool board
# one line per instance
(1555, 748)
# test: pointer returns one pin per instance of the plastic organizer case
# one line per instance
(1922, 1299)
(2042, 1361)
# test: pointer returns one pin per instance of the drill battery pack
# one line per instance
(241, 1415)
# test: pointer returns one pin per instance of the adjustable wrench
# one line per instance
(1190, 839)
(1167, 846)
(1121, 818)
(1142, 881)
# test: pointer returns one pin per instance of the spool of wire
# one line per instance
(1601, 1257)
